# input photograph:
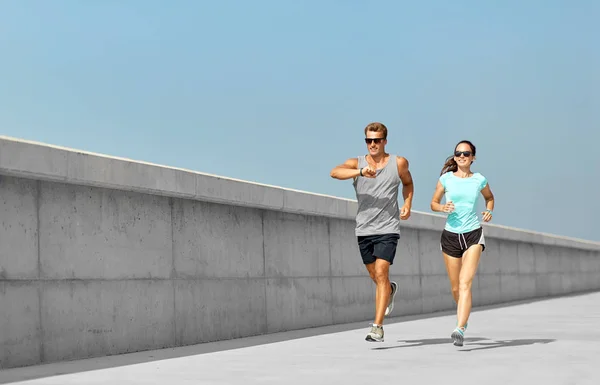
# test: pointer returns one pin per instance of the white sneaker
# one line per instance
(376, 334)
(390, 306)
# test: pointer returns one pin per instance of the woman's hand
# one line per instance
(448, 207)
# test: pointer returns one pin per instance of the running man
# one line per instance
(376, 179)
(462, 240)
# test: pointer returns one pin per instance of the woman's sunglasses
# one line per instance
(459, 153)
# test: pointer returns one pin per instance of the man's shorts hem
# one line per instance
(382, 246)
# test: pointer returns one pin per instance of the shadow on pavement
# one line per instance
(470, 344)
(504, 343)
(425, 342)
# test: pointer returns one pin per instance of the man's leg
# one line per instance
(380, 269)
(393, 288)
(371, 270)
(383, 291)
(384, 251)
(366, 247)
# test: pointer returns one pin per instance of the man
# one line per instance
(376, 179)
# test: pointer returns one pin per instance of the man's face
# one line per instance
(375, 143)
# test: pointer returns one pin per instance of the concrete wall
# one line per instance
(103, 256)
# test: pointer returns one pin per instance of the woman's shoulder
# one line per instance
(481, 180)
(479, 175)
(446, 175)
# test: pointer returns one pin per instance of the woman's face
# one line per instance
(463, 155)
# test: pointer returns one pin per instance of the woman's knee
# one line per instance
(455, 290)
(465, 286)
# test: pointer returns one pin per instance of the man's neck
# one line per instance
(379, 158)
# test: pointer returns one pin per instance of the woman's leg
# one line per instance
(453, 266)
(470, 261)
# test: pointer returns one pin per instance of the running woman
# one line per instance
(376, 179)
(462, 240)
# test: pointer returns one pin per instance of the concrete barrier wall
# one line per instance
(103, 255)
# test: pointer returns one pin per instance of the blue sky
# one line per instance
(279, 92)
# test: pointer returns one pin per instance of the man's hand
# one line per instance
(405, 212)
(369, 172)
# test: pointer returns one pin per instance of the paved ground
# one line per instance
(555, 341)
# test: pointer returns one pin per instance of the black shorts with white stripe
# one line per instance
(455, 244)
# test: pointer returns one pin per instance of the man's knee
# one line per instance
(370, 269)
(381, 279)
(382, 273)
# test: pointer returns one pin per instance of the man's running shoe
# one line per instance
(390, 306)
(376, 334)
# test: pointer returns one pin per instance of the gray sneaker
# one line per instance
(376, 334)
(390, 306)
(458, 336)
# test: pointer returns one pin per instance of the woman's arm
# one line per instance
(489, 203)
(437, 198)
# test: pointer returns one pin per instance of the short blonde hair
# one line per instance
(376, 127)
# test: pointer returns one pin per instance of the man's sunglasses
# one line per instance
(370, 140)
(459, 153)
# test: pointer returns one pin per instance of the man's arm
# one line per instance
(408, 188)
(349, 169)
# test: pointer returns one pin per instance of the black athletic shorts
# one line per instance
(378, 246)
(455, 244)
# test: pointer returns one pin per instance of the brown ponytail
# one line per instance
(450, 165)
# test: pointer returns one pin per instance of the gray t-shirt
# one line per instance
(378, 208)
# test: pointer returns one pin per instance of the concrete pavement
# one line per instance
(552, 341)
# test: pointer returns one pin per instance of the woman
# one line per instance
(462, 240)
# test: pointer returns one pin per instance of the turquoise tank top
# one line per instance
(464, 193)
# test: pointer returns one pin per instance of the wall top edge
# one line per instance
(141, 162)
(425, 219)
